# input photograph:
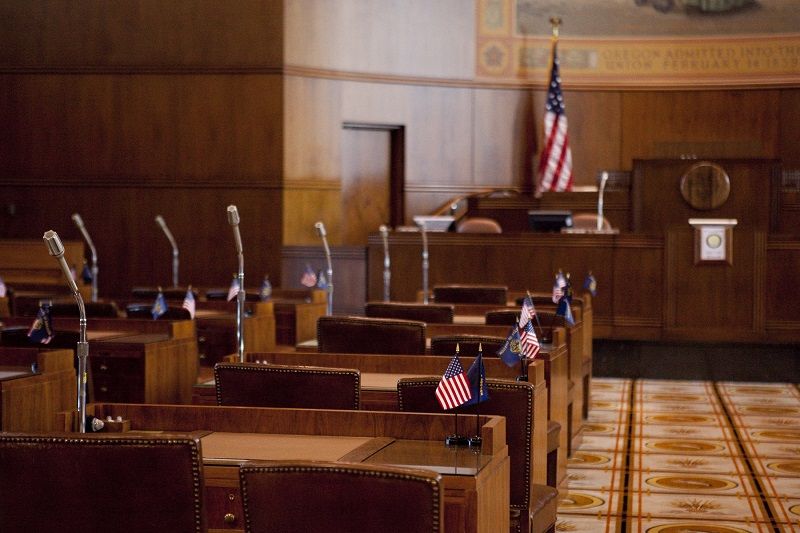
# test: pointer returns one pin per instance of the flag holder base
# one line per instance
(474, 442)
(456, 440)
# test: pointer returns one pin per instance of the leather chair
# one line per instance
(530, 503)
(470, 294)
(145, 311)
(428, 313)
(354, 334)
(467, 344)
(502, 317)
(75, 483)
(478, 225)
(93, 309)
(309, 387)
(172, 293)
(319, 497)
(222, 294)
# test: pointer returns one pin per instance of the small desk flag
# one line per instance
(510, 352)
(565, 311)
(86, 274)
(308, 279)
(189, 302)
(528, 311)
(558, 287)
(477, 380)
(41, 330)
(529, 342)
(322, 280)
(590, 284)
(453, 389)
(3, 289)
(265, 293)
(233, 291)
(159, 306)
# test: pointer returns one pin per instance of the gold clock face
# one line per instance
(714, 241)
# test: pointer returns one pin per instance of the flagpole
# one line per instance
(476, 441)
(536, 315)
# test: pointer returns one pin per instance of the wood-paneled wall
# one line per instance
(121, 111)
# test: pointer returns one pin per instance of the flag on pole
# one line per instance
(86, 274)
(41, 330)
(529, 342)
(3, 288)
(590, 284)
(265, 293)
(322, 280)
(477, 380)
(159, 306)
(234, 289)
(555, 162)
(528, 311)
(308, 279)
(565, 311)
(558, 287)
(453, 389)
(510, 353)
(189, 302)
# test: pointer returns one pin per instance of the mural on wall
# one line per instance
(642, 43)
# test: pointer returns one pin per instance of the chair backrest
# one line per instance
(258, 385)
(470, 294)
(588, 221)
(222, 294)
(141, 310)
(100, 482)
(171, 293)
(478, 225)
(18, 336)
(502, 317)
(93, 309)
(355, 334)
(318, 497)
(428, 313)
(511, 399)
(467, 344)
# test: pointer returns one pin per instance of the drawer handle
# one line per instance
(229, 518)
(104, 388)
(103, 367)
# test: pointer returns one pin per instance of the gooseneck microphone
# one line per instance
(603, 180)
(320, 227)
(421, 224)
(79, 222)
(233, 220)
(168, 233)
(56, 249)
(387, 272)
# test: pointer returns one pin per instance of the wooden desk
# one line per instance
(476, 487)
(216, 329)
(29, 402)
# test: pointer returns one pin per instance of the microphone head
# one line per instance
(233, 215)
(320, 227)
(77, 219)
(53, 243)
(160, 221)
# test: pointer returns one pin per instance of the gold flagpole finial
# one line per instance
(555, 22)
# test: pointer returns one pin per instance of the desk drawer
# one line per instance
(117, 378)
(224, 508)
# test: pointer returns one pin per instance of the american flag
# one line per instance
(309, 279)
(558, 287)
(555, 163)
(234, 289)
(453, 389)
(529, 342)
(189, 302)
(527, 312)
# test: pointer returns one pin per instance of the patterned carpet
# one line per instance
(686, 456)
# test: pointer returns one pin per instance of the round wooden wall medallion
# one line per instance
(705, 186)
